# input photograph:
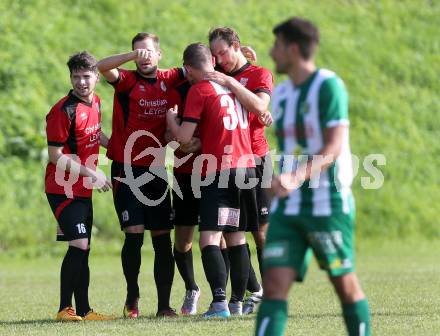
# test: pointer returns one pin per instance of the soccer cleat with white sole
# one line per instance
(189, 306)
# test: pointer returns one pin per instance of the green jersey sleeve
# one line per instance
(333, 103)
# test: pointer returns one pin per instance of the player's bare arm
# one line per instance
(283, 184)
(108, 66)
(99, 180)
(256, 103)
(103, 140)
(183, 133)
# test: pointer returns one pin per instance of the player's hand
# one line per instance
(192, 146)
(265, 119)
(101, 182)
(141, 54)
(172, 114)
(249, 53)
(283, 185)
(218, 77)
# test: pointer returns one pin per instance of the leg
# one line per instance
(239, 259)
(131, 263)
(272, 315)
(260, 240)
(215, 271)
(70, 270)
(225, 254)
(183, 255)
(163, 268)
(354, 304)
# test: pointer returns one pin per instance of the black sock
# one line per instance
(239, 258)
(131, 263)
(81, 291)
(163, 269)
(253, 284)
(225, 255)
(260, 260)
(70, 269)
(215, 271)
(184, 262)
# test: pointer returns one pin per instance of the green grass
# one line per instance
(387, 52)
(401, 280)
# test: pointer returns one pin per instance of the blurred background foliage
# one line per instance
(387, 52)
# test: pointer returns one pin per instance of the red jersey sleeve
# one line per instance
(263, 83)
(195, 103)
(57, 127)
(173, 77)
(125, 81)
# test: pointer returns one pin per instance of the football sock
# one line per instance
(70, 269)
(271, 318)
(81, 291)
(239, 259)
(131, 263)
(184, 262)
(225, 255)
(252, 285)
(163, 269)
(357, 318)
(260, 260)
(215, 271)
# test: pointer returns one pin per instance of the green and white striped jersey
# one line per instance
(301, 113)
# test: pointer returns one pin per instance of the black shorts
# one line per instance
(186, 210)
(74, 216)
(262, 191)
(148, 205)
(229, 208)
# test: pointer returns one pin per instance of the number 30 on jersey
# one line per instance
(237, 114)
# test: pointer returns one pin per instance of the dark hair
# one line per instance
(82, 61)
(301, 32)
(196, 55)
(227, 34)
(143, 36)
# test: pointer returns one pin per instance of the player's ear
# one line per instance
(236, 45)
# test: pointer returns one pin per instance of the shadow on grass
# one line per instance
(199, 318)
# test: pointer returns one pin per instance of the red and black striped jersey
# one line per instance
(140, 104)
(256, 79)
(76, 126)
(223, 126)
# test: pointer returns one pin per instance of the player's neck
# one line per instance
(300, 73)
(88, 99)
(240, 63)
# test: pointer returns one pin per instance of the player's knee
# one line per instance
(182, 245)
(235, 238)
(276, 283)
(134, 229)
(348, 288)
(82, 244)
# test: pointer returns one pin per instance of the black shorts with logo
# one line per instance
(74, 216)
(229, 207)
(263, 194)
(148, 204)
(186, 210)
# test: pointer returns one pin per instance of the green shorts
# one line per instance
(291, 240)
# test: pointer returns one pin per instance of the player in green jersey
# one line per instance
(313, 209)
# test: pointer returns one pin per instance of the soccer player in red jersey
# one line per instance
(141, 99)
(227, 201)
(73, 136)
(253, 86)
(185, 211)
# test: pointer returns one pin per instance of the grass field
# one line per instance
(401, 279)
